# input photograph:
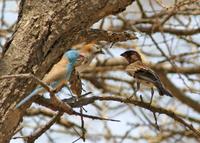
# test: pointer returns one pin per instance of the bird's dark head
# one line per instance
(131, 56)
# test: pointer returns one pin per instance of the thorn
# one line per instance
(152, 93)
(84, 109)
(141, 98)
(156, 121)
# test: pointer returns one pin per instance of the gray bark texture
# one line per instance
(45, 30)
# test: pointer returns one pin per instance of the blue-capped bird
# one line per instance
(142, 73)
(59, 74)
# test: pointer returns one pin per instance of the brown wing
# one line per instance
(132, 68)
(75, 83)
(142, 73)
(148, 75)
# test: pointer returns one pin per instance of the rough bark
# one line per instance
(45, 30)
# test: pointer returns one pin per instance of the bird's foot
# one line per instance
(55, 90)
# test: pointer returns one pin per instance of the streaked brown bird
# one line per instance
(142, 73)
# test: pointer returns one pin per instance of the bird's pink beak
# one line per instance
(81, 57)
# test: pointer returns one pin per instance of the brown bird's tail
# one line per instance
(163, 91)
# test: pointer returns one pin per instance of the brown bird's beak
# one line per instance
(123, 55)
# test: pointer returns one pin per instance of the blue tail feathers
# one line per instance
(26, 99)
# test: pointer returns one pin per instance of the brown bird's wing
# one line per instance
(132, 68)
(147, 75)
(150, 76)
(143, 72)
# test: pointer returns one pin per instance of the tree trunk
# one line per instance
(45, 30)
